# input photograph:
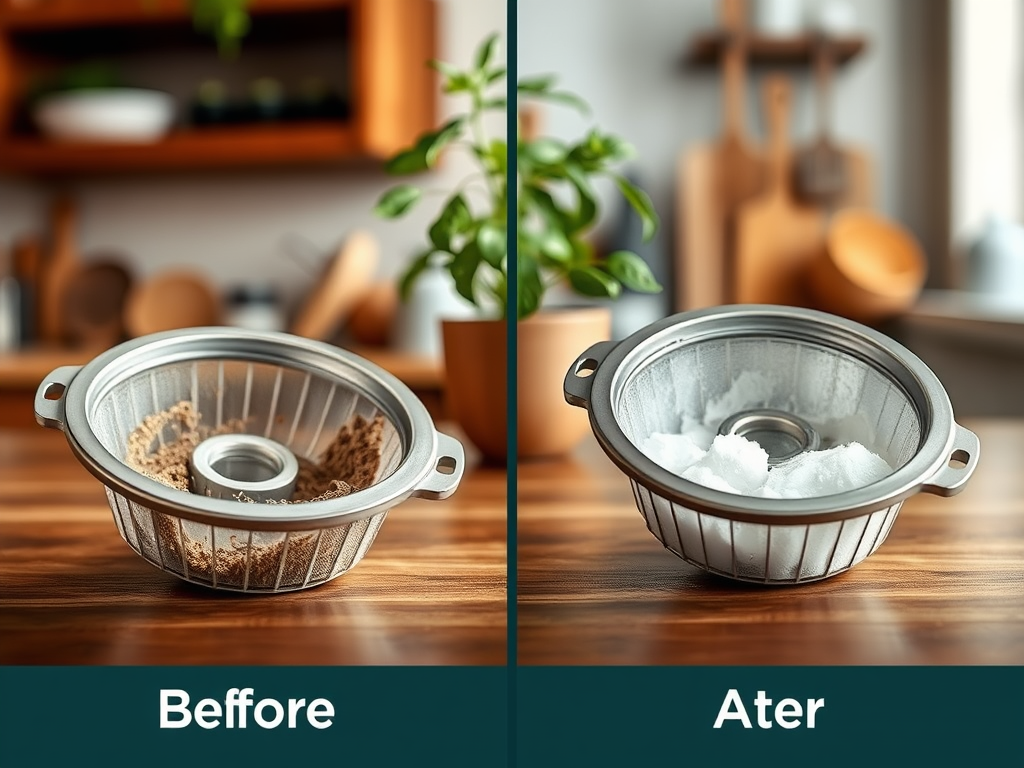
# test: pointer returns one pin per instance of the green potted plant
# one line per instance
(556, 210)
(226, 20)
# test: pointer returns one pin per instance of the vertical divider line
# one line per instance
(511, 390)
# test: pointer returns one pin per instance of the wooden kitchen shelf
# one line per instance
(26, 369)
(383, 45)
(55, 14)
(706, 49)
(220, 147)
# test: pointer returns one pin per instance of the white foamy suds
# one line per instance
(735, 461)
(821, 473)
(674, 452)
(734, 464)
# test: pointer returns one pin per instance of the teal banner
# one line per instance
(456, 716)
(393, 716)
(806, 716)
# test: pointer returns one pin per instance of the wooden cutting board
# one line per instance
(714, 179)
(59, 266)
(341, 286)
(776, 236)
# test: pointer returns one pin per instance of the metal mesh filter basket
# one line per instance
(845, 381)
(293, 391)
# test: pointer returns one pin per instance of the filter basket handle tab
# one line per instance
(580, 377)
(49, 404)
(444, 476)
(963, 459)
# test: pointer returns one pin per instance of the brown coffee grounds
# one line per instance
(350, 462)
(168, 464)
(263, 562)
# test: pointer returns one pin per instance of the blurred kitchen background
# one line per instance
(244, 195)
(908, 111)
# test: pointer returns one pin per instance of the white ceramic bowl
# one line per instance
(106, 115)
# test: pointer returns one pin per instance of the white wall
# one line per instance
(625, 58)
(987, 114)
(234, 225)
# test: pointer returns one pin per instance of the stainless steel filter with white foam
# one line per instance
(819, 381)
(289, 392)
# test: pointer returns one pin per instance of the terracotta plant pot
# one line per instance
(476, 382)
(548, 343)
(475, 354)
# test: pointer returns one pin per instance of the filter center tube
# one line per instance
(782, 435)
(225, 466)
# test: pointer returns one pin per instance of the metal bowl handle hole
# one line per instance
(959, 459)
(446, 465)
(586, 367)
(54, 391)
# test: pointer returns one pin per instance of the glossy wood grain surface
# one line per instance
(430, 591)
(946, 587)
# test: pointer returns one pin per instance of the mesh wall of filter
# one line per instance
(238, 559)
(771, 554)
(842, 397)
(300, 410)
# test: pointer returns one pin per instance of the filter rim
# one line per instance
(400, 404)
(919, 383)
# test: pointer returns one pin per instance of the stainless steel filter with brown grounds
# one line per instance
(293, 395)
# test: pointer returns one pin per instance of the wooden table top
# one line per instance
(946, 587)
(431, 589)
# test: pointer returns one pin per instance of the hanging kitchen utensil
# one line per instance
(714, 180)
(339, 289)
(821, 173)
(777, 237)
(827, 172)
